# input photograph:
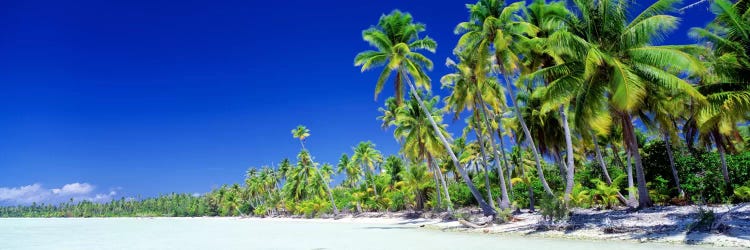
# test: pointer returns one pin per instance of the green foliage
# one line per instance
(702, 179)
(553, 208)
(706, 218)
(605, 194)
(461, 195)
(177, 205)
(580, 197)
(656, 162)
(743, 193)
(659, 190)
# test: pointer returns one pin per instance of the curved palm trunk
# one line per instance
(571, 159)
(561, 166)
(644, 200)
(668, 144)
(718, 140)
(437, 183)
(504, 200)
(529, 139)
(605, 172)
(487, 210)
(445, 186)
(631, 185)
(508, 166)
(600, 159)
(328, 191)
(480, 139)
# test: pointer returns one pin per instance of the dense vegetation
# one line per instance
(565, 104)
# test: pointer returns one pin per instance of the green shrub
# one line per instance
(553, 209)
(701, 178)
(461, 195)
(521, 192)
(706, 218)
(742, 193)
(659, 190)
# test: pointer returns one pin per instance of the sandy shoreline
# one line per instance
(671, 224)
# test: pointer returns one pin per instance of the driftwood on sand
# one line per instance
(474, 225)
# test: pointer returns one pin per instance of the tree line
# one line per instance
(565, 102)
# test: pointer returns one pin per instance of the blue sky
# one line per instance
(126, 98)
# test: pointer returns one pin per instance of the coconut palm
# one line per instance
(472, 89)
(610, 61)
(417, 180)
(307, 164)
(389, 112)
(419, 139)
(396, 38)
(301, 132)
(394, 165)
(353, 172)
(491, 31)
(727, 83)
(367, 158)
(546, 20)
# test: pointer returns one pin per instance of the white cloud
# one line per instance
(74, 188)
(25, 195)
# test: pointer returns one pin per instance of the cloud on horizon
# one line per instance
(25, 195)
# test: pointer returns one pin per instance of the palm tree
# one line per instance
(726, 84)
(301, 133)
(472, 89)
(389, 112)
(394, 165)
(396, 38)
(353, 171)
(417, 180)
(546, 20)
(664, 107)
(367, 157)
(609, 64)
(419, 140)
(494, 25)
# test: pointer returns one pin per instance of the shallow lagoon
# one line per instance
(233, 233)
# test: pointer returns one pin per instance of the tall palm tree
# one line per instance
(546, 20)
(396, 38)
(301, 132)
(472, 88)
(609, 64)
(420, 142)
(353, 172)
(727, 82)
(367, 158)
(491, 30)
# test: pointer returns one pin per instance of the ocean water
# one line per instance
(233, 233)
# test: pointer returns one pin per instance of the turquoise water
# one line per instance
(232, 233)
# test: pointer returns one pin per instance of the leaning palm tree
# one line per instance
(420, 142)
(727, 82)
(491, 30)
(472, 89)
(546, 19)
(396, 38)
(610, 61)
(301, 132)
